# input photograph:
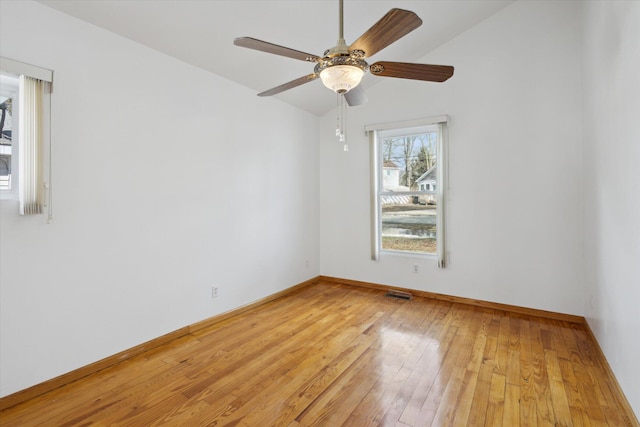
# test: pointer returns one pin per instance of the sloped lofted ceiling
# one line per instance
(201, 33)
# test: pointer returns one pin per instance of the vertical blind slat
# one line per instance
(442, 169)
(375, 228)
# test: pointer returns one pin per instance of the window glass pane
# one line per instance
(8, 89)
(406, 161)
(409, 223)
(407, 197)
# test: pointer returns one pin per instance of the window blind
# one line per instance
(31, 147)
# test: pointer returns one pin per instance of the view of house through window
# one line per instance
(8, 96)
(407, 191)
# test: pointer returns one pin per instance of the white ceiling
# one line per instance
(201, 32)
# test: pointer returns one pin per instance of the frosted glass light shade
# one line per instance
(341, 78)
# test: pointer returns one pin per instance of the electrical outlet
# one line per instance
(214, 292)
(415, 268)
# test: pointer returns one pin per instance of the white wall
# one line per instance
(167, 180)
(612, 184)
(514, 106)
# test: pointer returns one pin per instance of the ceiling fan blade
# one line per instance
(263, 46)
(405, 70)
(290, 85)
(391, 27)
(356, 96)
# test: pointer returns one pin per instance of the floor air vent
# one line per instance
(398, 294)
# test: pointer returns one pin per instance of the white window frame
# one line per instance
(376, 133)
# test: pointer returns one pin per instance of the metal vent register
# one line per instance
(398, 294)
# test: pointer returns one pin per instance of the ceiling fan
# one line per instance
(342, 67)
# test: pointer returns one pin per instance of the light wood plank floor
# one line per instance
(336, 355)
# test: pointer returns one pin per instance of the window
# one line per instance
(407, 163)
(25, 95)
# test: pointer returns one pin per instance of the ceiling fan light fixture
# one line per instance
(341, 78)
(341, 73)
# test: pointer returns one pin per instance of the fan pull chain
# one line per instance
(341, 122)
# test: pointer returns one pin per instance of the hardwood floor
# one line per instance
(336, 355)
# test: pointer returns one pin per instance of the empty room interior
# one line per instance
(452, 243)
